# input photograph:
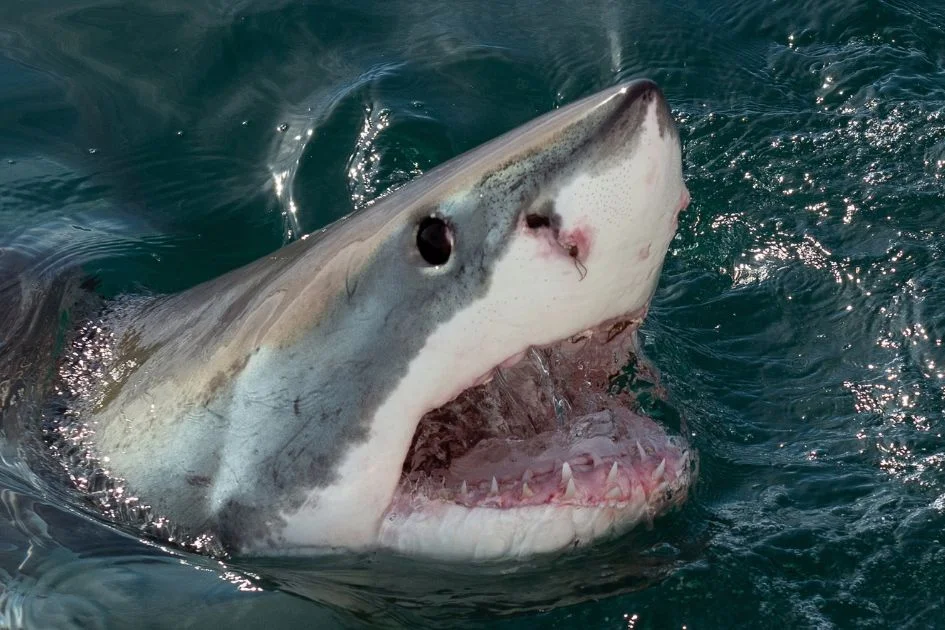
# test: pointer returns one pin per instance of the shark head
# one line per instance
(431, 374)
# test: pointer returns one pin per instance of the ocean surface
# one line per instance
(798, 328)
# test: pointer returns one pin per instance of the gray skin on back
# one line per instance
(347, 309)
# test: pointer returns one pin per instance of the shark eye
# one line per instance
(435, 241)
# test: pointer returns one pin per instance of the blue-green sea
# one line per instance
(797, 331)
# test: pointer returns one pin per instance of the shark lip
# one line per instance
(546, 429)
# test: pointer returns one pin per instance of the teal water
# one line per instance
(798, 328)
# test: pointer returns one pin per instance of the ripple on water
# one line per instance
(809, 341)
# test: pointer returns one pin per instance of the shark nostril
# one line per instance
(535, 221)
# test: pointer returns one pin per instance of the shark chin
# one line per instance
(434, 374)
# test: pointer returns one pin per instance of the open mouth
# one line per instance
(546, 431)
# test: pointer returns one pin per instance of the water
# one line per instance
(798, 328)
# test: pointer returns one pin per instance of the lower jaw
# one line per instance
(547, 485)
(575, 492)
(454, 532)
(451, 531)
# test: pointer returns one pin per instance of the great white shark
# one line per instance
(432, 374)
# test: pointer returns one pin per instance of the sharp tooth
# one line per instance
(462, 489)
(641, 451)
(614, 493)
(526, 491)
(495, 487)
(612, 475)
(658, 473)
(565, 472)
(571, 490)
(527, 475)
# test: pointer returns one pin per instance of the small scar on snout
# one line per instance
(295, 406)
(574, 253)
